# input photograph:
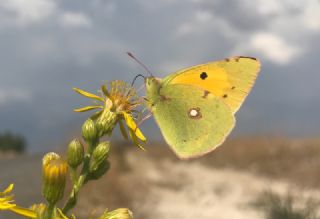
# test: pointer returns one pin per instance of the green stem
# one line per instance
(51, 211)
(73, 175)
(77, 184)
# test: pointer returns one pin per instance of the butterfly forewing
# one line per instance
(230, 79)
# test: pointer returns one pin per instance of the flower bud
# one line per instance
(100, 154)
(54, 172)
(75, 153)
(106, 122)
(100, 171)
(89, 131)
(120, 213)
(49, 157)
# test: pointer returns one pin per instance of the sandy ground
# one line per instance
(191, 190)
(162, 187)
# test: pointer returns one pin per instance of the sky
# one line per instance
(49, 46)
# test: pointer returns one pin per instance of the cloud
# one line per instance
(197, 25)
(52, 45)
(311, 15)
(75, 19)
(275, 30)
(273, 47)
(26, 12)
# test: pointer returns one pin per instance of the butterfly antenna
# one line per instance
(135, 78)
(140, 63)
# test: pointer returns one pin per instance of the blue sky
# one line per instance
(49, 46)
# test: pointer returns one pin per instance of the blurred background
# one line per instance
(50, 46)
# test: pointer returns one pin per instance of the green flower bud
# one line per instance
(100, 154)
(120, 213)
(89, 131)
(54, 172)
(75, 153)
(49, 157)
(106, 122)
(100, 171)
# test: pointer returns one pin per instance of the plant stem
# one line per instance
(50, 213)
(72, 200)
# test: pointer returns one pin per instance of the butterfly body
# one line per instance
(195, 107)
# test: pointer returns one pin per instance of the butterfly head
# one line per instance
(153, 86)
(152, 83)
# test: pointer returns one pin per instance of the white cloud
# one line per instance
(272, 7)
(290, 13)
(28, 11)
(75, 19)
(273, 47)
(311, 15)
(200, 22)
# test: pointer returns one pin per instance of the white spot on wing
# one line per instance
(194, 113)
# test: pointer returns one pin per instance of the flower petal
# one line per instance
(87, 108)
(24, 212)
(140, 135)
(6, 205)
(7, 190)
(135, 140)
(132, 125)
(61, 214)
(87, 94)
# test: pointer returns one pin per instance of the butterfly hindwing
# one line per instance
(192, 120)
(229, 79)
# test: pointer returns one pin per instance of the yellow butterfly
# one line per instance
(195, 107)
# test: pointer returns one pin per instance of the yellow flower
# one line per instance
(7, 203)
(54, 172)
(116, 105)
(120, 213)
(41, 209)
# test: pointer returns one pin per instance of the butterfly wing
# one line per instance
(229, 79)
(192, 121)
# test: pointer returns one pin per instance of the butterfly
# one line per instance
(195, 107)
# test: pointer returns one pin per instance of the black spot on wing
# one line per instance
(237, 58)
(225, 96)
(248, 57)
(203, 75)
